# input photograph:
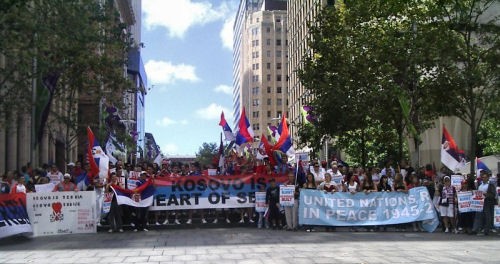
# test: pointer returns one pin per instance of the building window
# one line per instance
(278, 77)
(278, 114)
(269, 77)
(268, 29)
(268, 42)
(278, 19)
(268, 89)
(279, 101)
(268, 66)
(278, 66)
(269, 114)
(255, 90)
(278, 42)
(278, 53)
(255, 114)
(255, 127)
(278, 30)
(257, 20)
(255, 102)
(268, 101)
(268, 53)
(255, 78)
(278, 89)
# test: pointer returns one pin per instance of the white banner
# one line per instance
(44, 188)
(456, 181)
(287, 195)
(260, 202)
(62, 212)
(464, 202)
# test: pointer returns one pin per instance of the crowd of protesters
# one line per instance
(315, 175)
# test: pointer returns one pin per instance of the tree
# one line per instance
(77, 46)
(376, 62)
(207, 154)
(474, 72)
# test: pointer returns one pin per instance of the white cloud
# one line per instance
(213, 111)
(227, 33)
(164, 72)
(166, 121)
(180, 15)
(224, 89)
(170, 148)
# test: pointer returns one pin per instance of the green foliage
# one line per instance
(489, 133)
(207, 153)
(81, 41)
(368, 56)
(473, 72)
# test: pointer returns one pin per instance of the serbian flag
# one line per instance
(268, 149)
(480, 166)
(284, 143)
(228, 133)
(141, 196)
(245, 132)
(98, 161)
(451, 156)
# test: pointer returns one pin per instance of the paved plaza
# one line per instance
(251, 245)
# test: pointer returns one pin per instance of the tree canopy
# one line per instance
(388, 67)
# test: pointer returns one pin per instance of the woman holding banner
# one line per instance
(310, 184)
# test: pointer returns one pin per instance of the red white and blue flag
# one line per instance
(245, 133)
(228, 133)
(141, 196)
(98, 160)
(284, 143)
(480, 166)
(451, 156)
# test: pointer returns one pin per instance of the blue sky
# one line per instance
(188, 60)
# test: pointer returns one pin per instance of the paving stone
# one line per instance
(135, 259)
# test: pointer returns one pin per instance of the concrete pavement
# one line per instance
(251, 245)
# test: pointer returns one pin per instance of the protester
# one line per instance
(66, 185)
(54, 175)
(19, 187)
(447, 200)
(311, 185)
(290, 211)
(141, 220)
(328, 185)
(115, 212)
(273, 203)
(383, 185)
(484, 219)
(466, 219)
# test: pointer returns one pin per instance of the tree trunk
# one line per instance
(363, 149)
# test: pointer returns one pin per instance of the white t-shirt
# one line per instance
(483, 187)
(55, 177)
(20, 188)
(352, 188)
(318, 176)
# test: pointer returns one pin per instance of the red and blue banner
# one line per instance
(203, 192)
(14, 218)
